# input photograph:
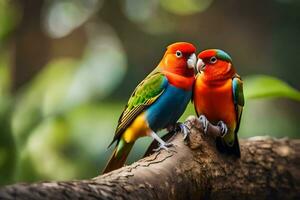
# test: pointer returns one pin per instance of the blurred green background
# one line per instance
(67, 68)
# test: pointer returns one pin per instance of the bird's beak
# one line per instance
(191, 62)
(200, 65)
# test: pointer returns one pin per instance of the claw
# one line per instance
(184, 130)
(204, 122)
(223, 127)
(163, 146)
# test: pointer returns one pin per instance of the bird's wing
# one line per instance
(144, 95)
(238, 97)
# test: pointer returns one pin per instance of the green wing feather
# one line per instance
(238, 96)
(142, 97)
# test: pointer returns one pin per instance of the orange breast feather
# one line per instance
(215, 101)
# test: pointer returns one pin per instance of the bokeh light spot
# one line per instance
(186, 7)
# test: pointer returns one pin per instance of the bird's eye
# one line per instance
(178, 54)
(213, 60)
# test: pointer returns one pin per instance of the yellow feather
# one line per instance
(138, 128)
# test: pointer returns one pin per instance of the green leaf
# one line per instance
(262, 86)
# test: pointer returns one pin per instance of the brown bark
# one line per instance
(268, 169)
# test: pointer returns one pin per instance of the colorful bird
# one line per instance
(157, 102)
(218, 97)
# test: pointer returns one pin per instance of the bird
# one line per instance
(156, 103)
(218, 97)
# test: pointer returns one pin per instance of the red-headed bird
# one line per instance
(218, 97)
(157, 102)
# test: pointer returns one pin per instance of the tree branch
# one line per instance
(268, 169)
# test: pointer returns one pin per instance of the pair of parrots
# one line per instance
(161, 98)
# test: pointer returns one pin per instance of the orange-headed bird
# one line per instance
(218, 97)
(157, 102)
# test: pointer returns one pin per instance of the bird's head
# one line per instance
(215, 63)
(180, 59)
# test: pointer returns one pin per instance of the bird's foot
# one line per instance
(223, 128)
(163, 146)
(183, 129)
(204, 122)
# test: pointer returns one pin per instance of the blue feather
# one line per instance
(168, 108)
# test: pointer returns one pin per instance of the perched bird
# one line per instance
(157, 102)
(218, 97)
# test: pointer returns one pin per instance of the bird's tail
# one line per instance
(224, 148)
(236, 146)
(118, 157)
